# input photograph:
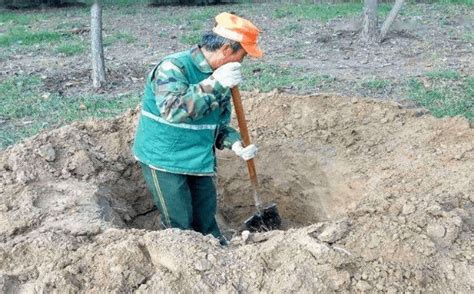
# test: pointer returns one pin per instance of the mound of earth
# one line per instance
(374, 198)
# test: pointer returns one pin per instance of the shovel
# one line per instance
(266, 218)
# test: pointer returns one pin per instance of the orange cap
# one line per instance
(239, 29)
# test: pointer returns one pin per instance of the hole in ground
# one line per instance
(127, 203)
(308, 187)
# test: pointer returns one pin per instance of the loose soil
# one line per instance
(374, 197)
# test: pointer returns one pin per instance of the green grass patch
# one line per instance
(70, 48)
(166, 18)
(12, 133)
(444, 75)
(19, 36)
(15, 18)
(66, 26)
(203, 14)
(192, 38)
(146, 2)
(468, 37)
(4, 55)
(196, 26)
(291, 29)
(119, 37)
(267, 77)
(19, 95)
(27, 110)
(462, 2)
(444, 93)
(121, 3)
(375, 84)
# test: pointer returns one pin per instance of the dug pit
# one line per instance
(376, 196)
(308, 187)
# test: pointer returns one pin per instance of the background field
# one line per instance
(310, 48)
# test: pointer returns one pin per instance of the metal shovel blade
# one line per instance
(266, 219)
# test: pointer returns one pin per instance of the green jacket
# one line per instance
(185, 116)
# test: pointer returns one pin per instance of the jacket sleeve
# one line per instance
(181, 102)
(226, 135)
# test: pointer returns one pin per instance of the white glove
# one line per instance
(246, 153)
(228, 75)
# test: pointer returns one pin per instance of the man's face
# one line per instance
(226, 55)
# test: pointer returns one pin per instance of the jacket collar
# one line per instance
(199, 60)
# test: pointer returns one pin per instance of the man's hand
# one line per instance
(246, 153)
(228, 75)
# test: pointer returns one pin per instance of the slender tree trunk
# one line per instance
(98, 64)
(369, 22)
(390, 18)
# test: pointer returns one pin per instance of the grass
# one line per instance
(120, 2)
(16, 89)
(444, 93)
(71, 48)
(146, 2)
(119, 37)
(191, 38)
(267, 77)
(468, 37)
(197, 26)
(65, 26)
(14, 18)
(27, 111)
(203, 14)
(20, 36)
(290, 29)
(444, 75)
(462, 2)
(375, 84)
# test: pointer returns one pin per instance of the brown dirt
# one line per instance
(375, 198)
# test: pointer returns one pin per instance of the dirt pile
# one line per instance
(375, 198)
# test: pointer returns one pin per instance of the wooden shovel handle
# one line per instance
(244, 132)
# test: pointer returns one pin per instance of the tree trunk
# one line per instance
(390, 18)
(369, 22)
(98, 64)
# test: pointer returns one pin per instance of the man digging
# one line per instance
(185, 116)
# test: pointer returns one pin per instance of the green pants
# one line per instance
(184, 201)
